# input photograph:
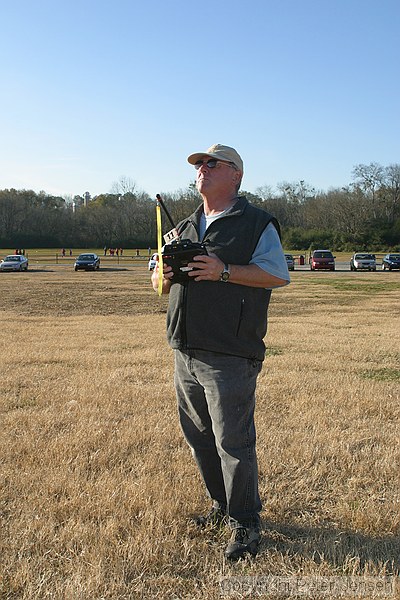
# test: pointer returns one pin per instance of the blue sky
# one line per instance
(96, 90)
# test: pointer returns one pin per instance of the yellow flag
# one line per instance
(159, 246)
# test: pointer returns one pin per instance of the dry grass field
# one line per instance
(97, 484)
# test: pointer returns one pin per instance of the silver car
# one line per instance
(289, 261)
(362, 261)
(14, 262)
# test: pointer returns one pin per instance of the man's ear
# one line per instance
(237, 176)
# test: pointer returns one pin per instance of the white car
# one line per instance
(362, 261)
(153, 261)
(14, 262)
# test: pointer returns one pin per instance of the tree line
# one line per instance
(363, 215)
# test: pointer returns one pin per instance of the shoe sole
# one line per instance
(251, 548)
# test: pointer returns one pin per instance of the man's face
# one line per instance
(222, 179)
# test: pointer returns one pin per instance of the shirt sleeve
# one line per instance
(269, 255)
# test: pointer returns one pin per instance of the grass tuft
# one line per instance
(385, 374)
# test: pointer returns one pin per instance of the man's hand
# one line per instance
(167, 274)
(206, 268)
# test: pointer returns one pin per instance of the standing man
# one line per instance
(216, 323)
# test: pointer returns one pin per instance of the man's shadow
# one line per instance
(333, 546)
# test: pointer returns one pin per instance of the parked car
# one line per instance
(87, 262)
(290, 261)
(362, 261)
(322, 259)
(391, 261)
(153, 261)
(14, 262)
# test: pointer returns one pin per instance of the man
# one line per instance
(216, 323)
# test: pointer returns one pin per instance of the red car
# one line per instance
(322, 259)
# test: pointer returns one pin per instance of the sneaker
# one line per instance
(243, 539)
(215, 518)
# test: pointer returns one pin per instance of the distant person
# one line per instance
(105, 250)
(216, 323)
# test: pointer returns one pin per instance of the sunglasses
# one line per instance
(211, 163)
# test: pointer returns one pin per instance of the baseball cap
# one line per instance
(219, 152)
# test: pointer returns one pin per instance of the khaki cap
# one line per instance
(219, 152)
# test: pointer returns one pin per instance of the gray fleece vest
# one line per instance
(214, 315)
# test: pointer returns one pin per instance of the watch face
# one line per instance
(225, 275)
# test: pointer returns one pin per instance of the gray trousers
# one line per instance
(216, 401)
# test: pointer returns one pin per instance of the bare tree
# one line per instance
(369, 178)
(391, 192)
(296, 194)
(277, 205)
(124, 185)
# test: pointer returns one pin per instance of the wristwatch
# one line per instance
(225, 273)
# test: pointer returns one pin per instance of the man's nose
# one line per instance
(203, 166)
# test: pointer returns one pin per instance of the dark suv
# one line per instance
(87, 262)
(391, 261)
(322, 259)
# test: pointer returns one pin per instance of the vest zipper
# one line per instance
(184, 333)
(240, 316)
